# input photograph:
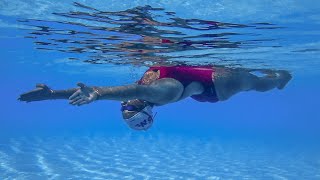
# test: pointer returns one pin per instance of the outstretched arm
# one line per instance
(160, 92)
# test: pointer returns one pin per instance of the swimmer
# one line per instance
(161, 85)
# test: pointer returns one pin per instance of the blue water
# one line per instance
(253, 135)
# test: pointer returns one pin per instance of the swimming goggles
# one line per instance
(129, 108)
(124, 107)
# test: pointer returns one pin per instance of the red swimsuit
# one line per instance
(187, 74)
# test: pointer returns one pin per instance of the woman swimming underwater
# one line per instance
(161, 85)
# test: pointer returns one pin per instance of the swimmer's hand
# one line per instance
(84, 95)
(42, 92)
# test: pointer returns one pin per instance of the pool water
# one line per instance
(253, 135)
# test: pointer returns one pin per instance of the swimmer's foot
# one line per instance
(284, 78)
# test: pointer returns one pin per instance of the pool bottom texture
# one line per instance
(154, 157)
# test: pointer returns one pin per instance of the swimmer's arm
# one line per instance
(63, 94)
(160, 92)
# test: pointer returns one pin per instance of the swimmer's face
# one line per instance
(126, 114)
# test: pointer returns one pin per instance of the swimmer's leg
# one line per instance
(239, 80)
(271, 80)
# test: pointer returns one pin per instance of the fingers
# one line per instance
(42, 86)
(81, 96)
(77, 102)
(77, 93)
(32, 91)
(75, 99)
(82, 103)
(21, 99)
(32, 95)
(81, 85)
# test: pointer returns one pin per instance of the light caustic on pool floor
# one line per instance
(150, 158)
